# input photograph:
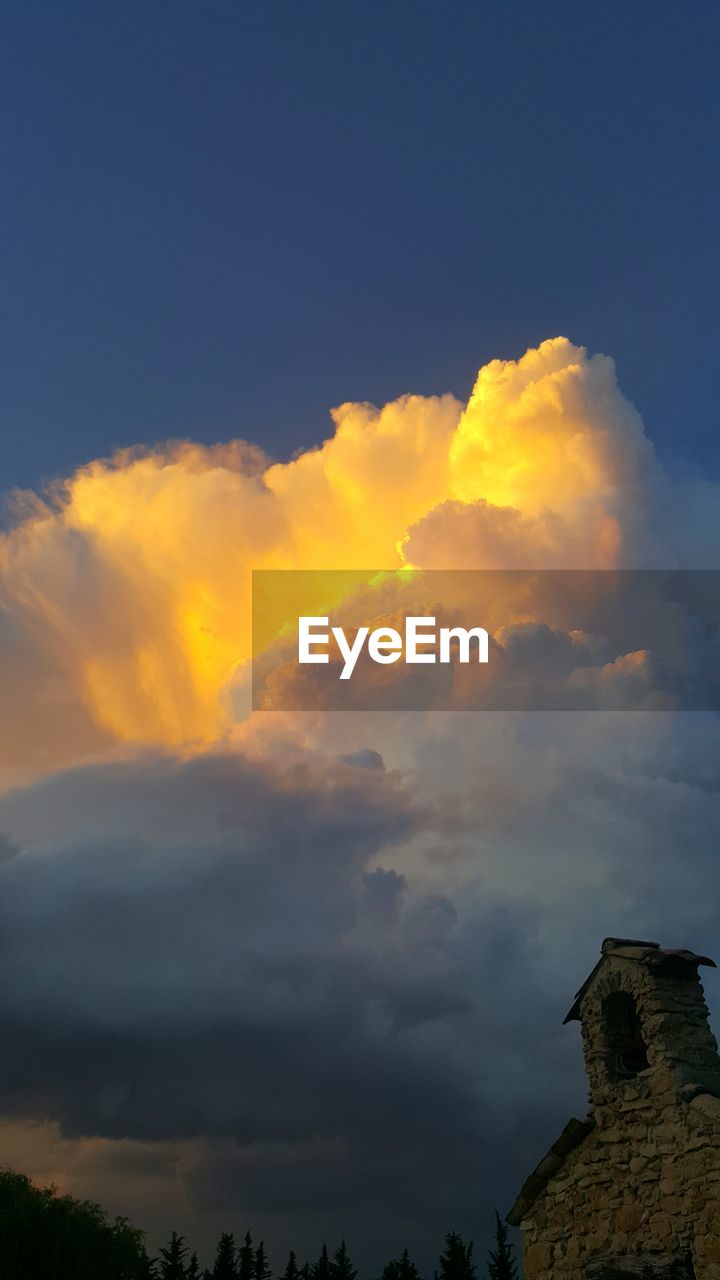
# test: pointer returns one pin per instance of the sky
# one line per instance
(307, 971)
(221, 220)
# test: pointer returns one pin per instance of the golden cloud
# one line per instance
(126, 593)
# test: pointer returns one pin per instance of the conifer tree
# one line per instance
(341, 1268)
(321, 1269)
(193, 1271)
(292, 1271)
(261, 1269)
(401, 1269)
(147, 1269)
(501, 1265)
(456, 1260)
(246, 1259)
(172, 1265)
(225, 1268)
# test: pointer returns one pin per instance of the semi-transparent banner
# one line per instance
(521, 640)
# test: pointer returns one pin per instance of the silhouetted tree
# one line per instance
(291, 1271)
(456, 1260)
(321, 1269)
(501, 1265)
(246, 1259)
(45, 1236)
(341, 1268)
(37, 1224)
(225, 1268)
(401, 1269)
(262, 1270)
(172, 1265)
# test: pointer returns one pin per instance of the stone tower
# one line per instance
(633, 1191)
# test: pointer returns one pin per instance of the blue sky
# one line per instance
(222, 219)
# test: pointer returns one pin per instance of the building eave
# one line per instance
(573, 1134)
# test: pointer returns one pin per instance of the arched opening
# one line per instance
(626, 1048)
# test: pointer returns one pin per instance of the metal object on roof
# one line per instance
(651, 954)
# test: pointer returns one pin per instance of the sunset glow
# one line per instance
(134, 576)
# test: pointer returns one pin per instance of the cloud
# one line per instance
(304, 982)
(258, 972)
(310, 974)
(552, 432)
(125, 601)
(220, 953)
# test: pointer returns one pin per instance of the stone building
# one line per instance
(633, 1191)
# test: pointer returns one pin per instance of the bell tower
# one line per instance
(633, 1191)
(645, 1025)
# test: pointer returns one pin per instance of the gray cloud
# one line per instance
(222, 952)
(343, 985)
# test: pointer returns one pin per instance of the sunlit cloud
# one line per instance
(199, 912)
(126, 591)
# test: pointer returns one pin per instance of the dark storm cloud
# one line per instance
(214, 954)
(341, 986)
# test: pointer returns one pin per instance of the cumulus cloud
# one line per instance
(312, 975)
(126, 593)
(552, 433)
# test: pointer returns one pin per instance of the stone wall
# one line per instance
(645, 1181)
(675, 1024)
(640, 1184)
